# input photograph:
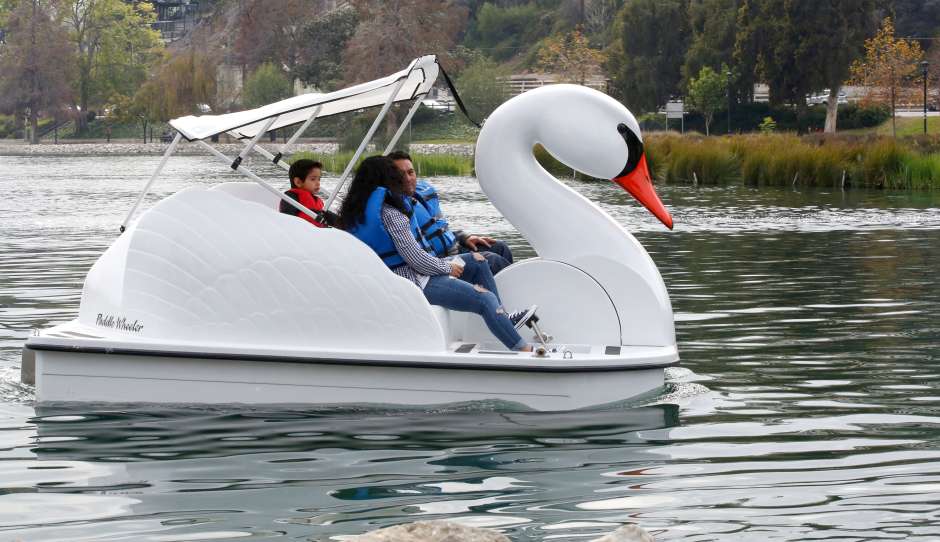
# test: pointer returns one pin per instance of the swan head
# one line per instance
(595, 134)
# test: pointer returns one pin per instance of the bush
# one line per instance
(6, 127)
(265, 85)
(768, 126)
(854, 116)
(651, 122)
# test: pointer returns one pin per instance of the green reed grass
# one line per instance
(753, 159)
(920, 172)
(789, 160)
(694, 159)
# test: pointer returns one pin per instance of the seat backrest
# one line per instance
(250, 192)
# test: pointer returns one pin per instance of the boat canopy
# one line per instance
(418, 78)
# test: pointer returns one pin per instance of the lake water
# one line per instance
(807, 405)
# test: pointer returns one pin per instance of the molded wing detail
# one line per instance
(204, 266)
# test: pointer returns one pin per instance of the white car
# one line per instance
(823, 98)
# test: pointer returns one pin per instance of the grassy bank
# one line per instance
(905, 126)
(789, 160)
(755, 159)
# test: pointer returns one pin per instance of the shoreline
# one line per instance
(127, 148)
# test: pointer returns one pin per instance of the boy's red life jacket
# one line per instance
(308, 200)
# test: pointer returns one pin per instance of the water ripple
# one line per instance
(806, 407)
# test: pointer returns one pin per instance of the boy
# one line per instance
(305, 183)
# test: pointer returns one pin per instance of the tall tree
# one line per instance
(835, 36)
(712, 26)
(35, 63)
(890, 66)
(570, 56)
(115, 46)
(646, 62)
(181, 86)
(768, 34)
(799, 48)
(916, 18)
(707, 94)
(393, 33)
(321, 51)
(271, 31)
(769, 42)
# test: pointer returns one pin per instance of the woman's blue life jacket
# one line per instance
(373, 233)
(431, 220)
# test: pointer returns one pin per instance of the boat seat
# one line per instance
(250, 192)
(443, 316)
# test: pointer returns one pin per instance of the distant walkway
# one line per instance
(13, 148)
(914, 113)
(18, 148)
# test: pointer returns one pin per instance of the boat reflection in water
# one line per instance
(108, 433)
(188, 473)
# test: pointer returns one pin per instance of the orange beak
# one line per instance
(640, 185)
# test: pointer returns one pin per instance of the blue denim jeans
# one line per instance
(499, 256)
(461, 295)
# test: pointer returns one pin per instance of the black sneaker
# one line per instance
(524, 317)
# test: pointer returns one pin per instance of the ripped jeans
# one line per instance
(460, 294)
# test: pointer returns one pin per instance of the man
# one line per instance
(436, 228)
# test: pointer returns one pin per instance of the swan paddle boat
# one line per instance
(213, 296)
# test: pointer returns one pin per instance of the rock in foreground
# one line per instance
(431, 531)
(446, 531)
(626, 533)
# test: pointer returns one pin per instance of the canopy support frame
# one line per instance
(276, 158)
(254, 141)
(366, 139)
(248, 173)
(166, 156)
(404, 124)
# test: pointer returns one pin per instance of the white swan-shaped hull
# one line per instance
(212, 296)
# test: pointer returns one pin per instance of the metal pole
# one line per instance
(406, 122)
(923, 66)
(273, 158)
(729, 101)
(300, 130)
(276, 158)
(365, 141)
(255, 178)
(241, 156)
(166, 156)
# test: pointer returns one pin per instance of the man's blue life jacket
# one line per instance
(373, 233)
(431, 220)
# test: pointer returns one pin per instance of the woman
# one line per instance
(377, 212)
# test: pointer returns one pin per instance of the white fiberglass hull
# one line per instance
(84, 371)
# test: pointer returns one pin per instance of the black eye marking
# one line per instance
(634, 147)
